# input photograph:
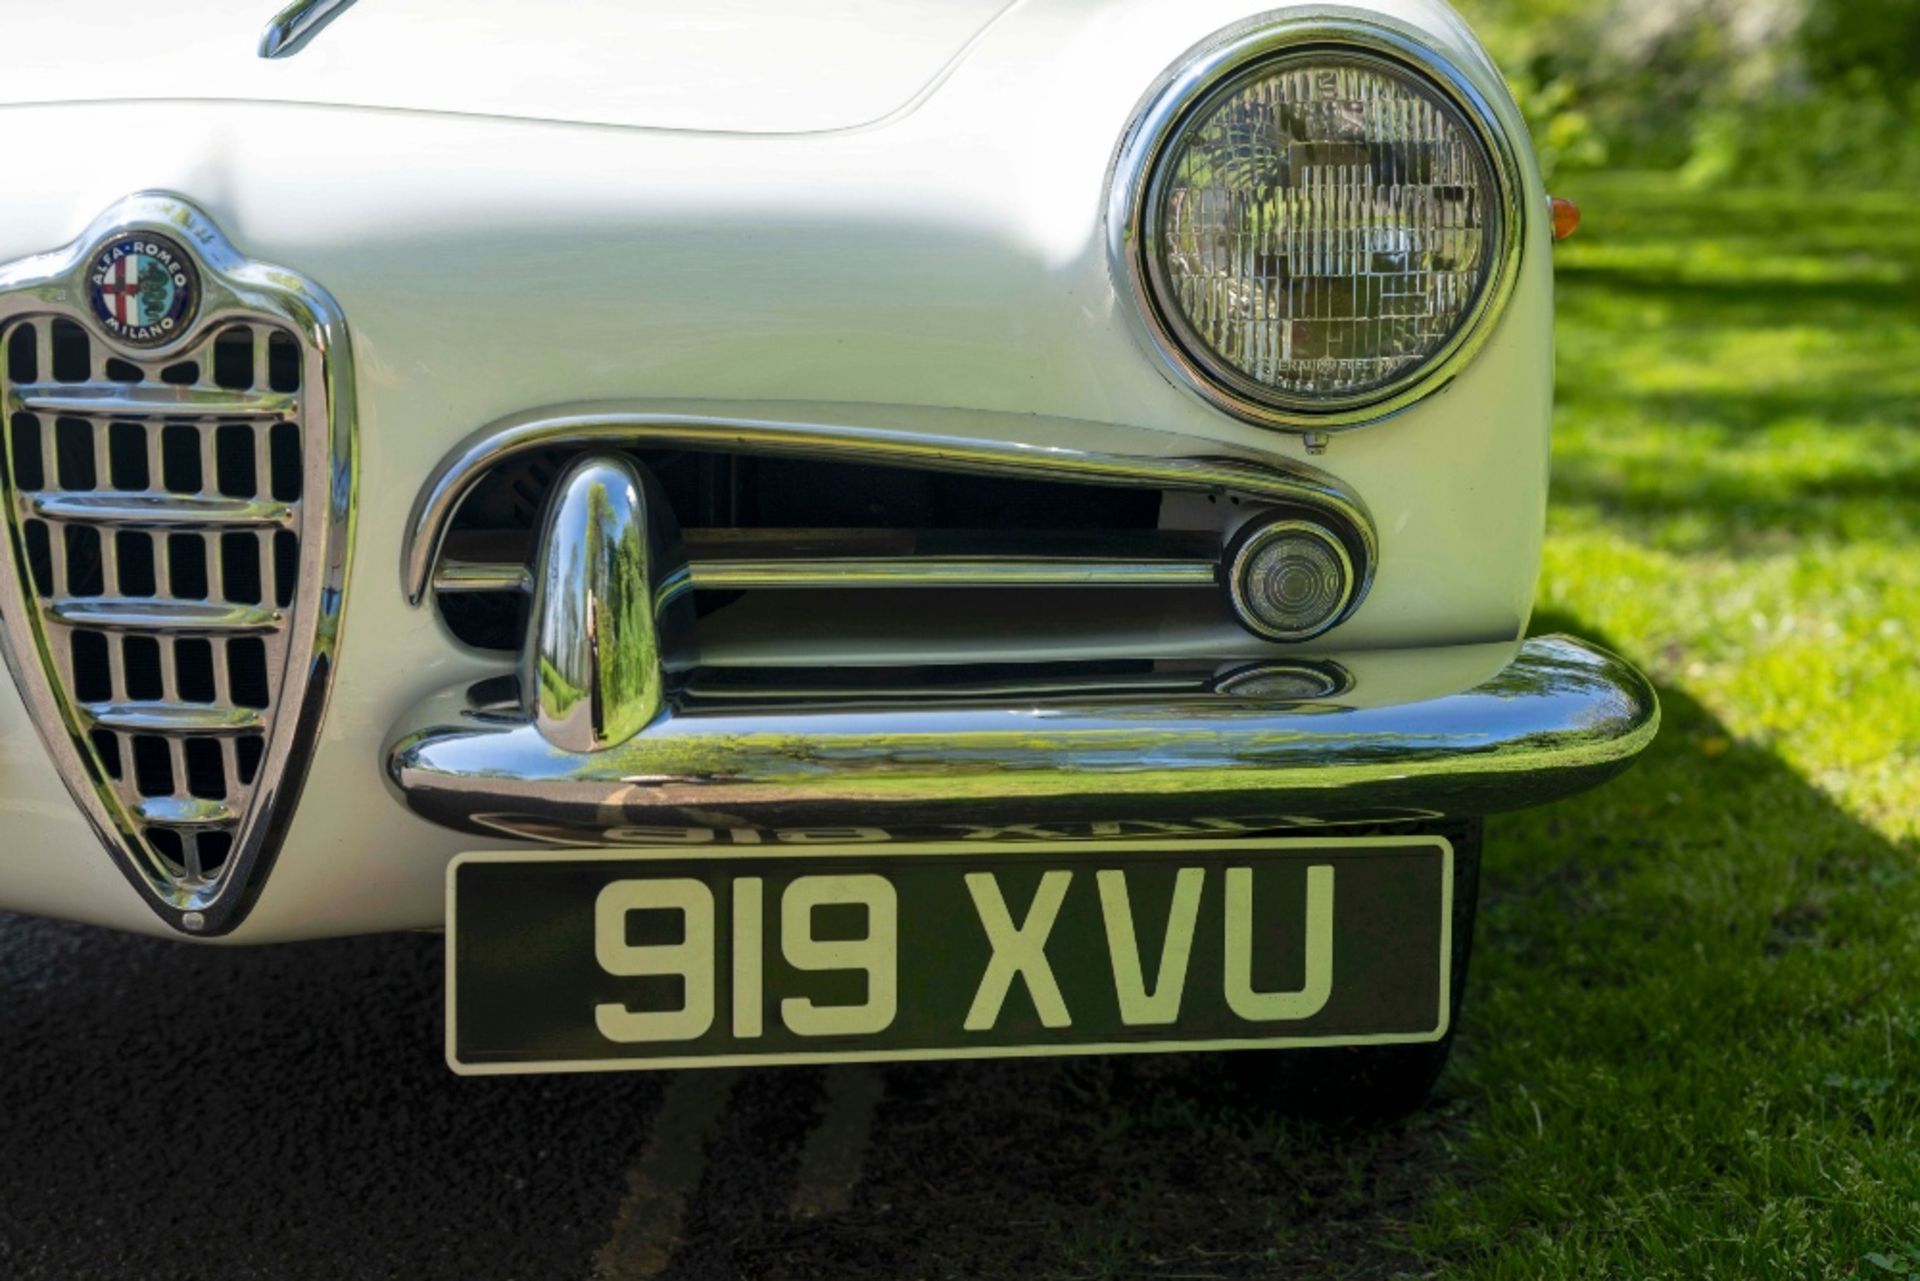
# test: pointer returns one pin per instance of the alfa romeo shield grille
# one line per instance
(178, 481)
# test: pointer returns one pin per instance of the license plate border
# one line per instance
(879, 850)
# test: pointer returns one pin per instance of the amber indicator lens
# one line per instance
(1566, 217)
(1327, 223)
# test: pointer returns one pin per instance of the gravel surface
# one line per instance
(179, 1111)
(284, 1112)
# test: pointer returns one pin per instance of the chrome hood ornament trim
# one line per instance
(177, 500)
(299, 22)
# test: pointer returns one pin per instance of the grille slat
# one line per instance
(183, 811)
(178, 810)
(165, 716)
(102, 455)
(57, 556)
(156, 474)
(262, 359)
(230, 765)
(113, 583)
(152, 400)
(109, 564)
(209, 462)
(216, 568)
(189, 618)
(116, 682)
(262, 461)
(49, 451)
(153, 509)
(169, 673)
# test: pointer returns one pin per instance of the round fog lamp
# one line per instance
(1290, 579)
(1277, 681)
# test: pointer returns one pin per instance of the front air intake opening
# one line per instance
(827, 560)
(743, 515)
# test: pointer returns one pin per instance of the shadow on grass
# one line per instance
(295, 1095)
(1139, 1168)
(1698, 802)
(1828, 460)
(1678, 978)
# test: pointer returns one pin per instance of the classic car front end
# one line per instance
(718, 466)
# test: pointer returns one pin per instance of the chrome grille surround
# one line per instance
(179, 692)
(883, 436)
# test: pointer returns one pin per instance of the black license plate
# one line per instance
(620, 959)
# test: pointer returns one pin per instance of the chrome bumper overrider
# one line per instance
(1211, 755)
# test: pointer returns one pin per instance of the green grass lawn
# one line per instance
(1692, 1035)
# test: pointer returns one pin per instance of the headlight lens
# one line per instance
(1323, 226)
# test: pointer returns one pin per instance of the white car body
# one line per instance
(855, 212)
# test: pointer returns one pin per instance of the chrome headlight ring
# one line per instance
(1199, 81)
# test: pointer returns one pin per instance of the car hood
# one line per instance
(730, 66)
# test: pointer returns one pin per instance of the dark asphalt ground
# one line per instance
(176, 1111)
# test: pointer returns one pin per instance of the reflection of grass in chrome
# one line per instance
(1691, 1030)
(559, 694)
(1126, 761)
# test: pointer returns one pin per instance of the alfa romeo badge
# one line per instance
(143, 288)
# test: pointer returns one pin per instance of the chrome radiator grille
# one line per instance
(177, 530)
(161, 524)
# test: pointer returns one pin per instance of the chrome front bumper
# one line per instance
(1214, 754)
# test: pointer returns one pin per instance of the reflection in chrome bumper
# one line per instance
(1563, 716)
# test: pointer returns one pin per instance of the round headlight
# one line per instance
(1315, 231)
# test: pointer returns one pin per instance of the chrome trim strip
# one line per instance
(924, 571)
(724, 559)
(235, 290)
(481, 576)
(182, 618)
(157, 510)
(1563, 716)
(296, 24)
(173, 718)
(152, 402)
(735, 686)
(1131, 231)
(778, 690)
(1269, 481)
(950, 571)
(789, 544)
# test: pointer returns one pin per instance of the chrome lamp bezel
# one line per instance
(1133, 232)
(1249, 545)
